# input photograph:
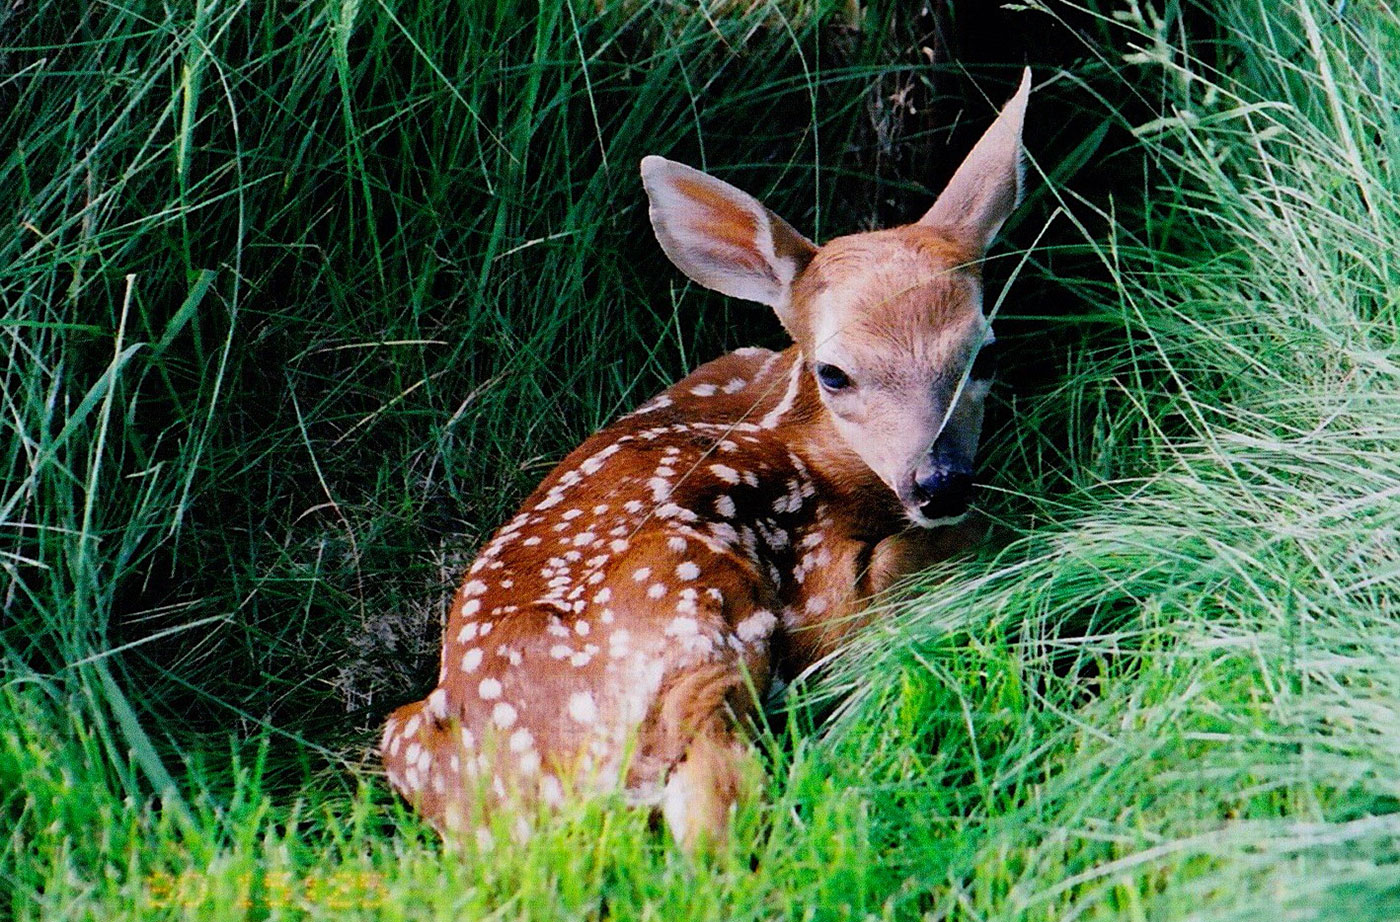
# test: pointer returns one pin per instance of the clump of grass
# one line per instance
(1170, 696)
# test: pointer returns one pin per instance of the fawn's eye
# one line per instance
(984, 366)
(832, 378)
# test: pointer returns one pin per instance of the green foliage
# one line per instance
(299, 300)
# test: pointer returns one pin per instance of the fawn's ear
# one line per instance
(721, 237)
(987, 187)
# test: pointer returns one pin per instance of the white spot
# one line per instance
(529, 762)
(471, 659)
(584, 537)
(488, 689)
(467, 632)
(600, 508)
(551, 791)
(817, 604)
(470, 607)
(468, 739)
(475, 587)
(503, 714)
(560, 651)
(660, 488)
(724, 533)
(665, 471)
(594, 462)
(641, 574)
(675, 805)
(688, 570)
(411, 728)
(683, 627)
(532, 540)
(672, 511)
(633, 506)
(572, 514)
(676, 543)
(757, 626)
(581, 628)
(552, 499)
(656, 591)
(619, 643)
(725, 472)
(521, 740)
(582, 708)
(770, 421)
(734, 385)
(703, 390)
(602, 596)
(724, 505)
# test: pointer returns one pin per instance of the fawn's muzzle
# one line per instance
(942, 492)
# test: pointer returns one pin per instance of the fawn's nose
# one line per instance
(942, 492)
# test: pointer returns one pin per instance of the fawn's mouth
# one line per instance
(941, 510)
(919, 518)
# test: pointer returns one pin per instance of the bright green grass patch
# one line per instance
(289, 296)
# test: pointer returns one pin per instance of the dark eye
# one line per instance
(832, 378)
(984, 367)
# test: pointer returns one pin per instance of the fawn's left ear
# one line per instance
(987, 187)
(722, 237)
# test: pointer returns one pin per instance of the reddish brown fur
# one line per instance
(620, 629)
(796, 544)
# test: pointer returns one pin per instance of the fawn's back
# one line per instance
(618, 630)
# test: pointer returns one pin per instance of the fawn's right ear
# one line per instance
(987, 186)
(721, 237)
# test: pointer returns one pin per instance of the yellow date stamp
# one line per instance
(193, 889)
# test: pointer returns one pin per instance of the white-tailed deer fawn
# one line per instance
(616, 631)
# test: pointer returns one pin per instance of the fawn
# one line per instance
(617, 631)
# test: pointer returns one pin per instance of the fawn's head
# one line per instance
(890, 323)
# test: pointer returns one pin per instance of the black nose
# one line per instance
(943, 494)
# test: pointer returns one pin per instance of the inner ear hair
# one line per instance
(722, 237)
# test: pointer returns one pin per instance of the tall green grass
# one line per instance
(298, 302)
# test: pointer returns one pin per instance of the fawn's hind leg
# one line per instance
(718, 768)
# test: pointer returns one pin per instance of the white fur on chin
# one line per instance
(923, 521)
